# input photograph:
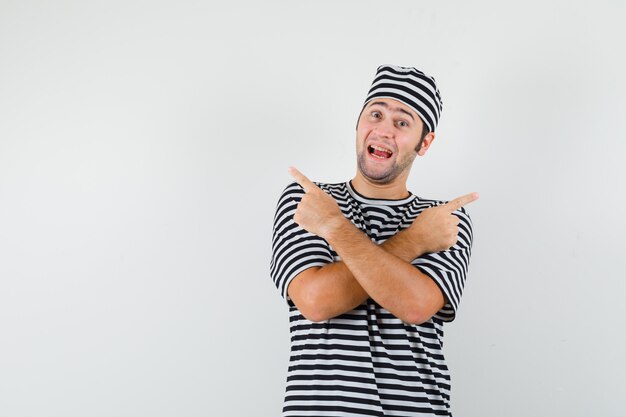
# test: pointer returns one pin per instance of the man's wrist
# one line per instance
(405, 245)
(337, 228)
(414, 243)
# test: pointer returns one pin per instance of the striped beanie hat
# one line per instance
(411, 87)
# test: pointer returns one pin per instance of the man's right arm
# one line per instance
(320, 288)
(321, 293)
(324, 292)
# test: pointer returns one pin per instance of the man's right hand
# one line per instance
(436, 228)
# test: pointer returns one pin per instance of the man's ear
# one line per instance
(428, 139)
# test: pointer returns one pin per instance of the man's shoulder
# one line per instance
(293, 192)
(429, 202)
(338, 188)
(423, 203)
(332, 187)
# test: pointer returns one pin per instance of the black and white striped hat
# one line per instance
(411, 87)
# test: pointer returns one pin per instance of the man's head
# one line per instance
(397, 122)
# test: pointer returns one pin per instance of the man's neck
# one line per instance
(396, 190)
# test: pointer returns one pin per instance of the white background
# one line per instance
(144, 144)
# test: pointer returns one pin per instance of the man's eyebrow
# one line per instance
(382, 103)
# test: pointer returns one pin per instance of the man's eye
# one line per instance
(376, 114)
(402, 123)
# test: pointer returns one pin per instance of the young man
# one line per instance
(370, 271)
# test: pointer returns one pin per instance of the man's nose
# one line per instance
(385, 129)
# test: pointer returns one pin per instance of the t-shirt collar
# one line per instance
(378, 201)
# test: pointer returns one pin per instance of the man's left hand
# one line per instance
(317, 212)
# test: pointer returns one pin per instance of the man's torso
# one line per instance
(366, 361)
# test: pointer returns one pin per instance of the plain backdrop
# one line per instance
(144, 144)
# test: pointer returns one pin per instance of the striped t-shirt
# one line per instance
(366, 362)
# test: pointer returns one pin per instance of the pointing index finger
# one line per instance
(301, 179)
(459, 202)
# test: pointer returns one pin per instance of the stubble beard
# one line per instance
(384, 177)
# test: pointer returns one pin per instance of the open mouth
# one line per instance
(379, 152)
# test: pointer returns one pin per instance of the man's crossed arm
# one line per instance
(383, 272)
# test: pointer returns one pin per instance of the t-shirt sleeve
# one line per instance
(293, 248)
(449, 268)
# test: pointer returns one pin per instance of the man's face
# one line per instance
(388, 133)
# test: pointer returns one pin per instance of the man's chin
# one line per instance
(376, 173)
(378, 177)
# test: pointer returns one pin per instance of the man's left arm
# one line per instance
(392, 282)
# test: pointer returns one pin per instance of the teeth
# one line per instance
(378, 148)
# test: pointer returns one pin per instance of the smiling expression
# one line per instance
(388, 133)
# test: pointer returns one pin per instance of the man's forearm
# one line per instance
(332, 290)
(386, 277)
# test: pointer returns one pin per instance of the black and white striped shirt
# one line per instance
(366, 362)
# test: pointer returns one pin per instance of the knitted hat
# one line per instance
(411, 87)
